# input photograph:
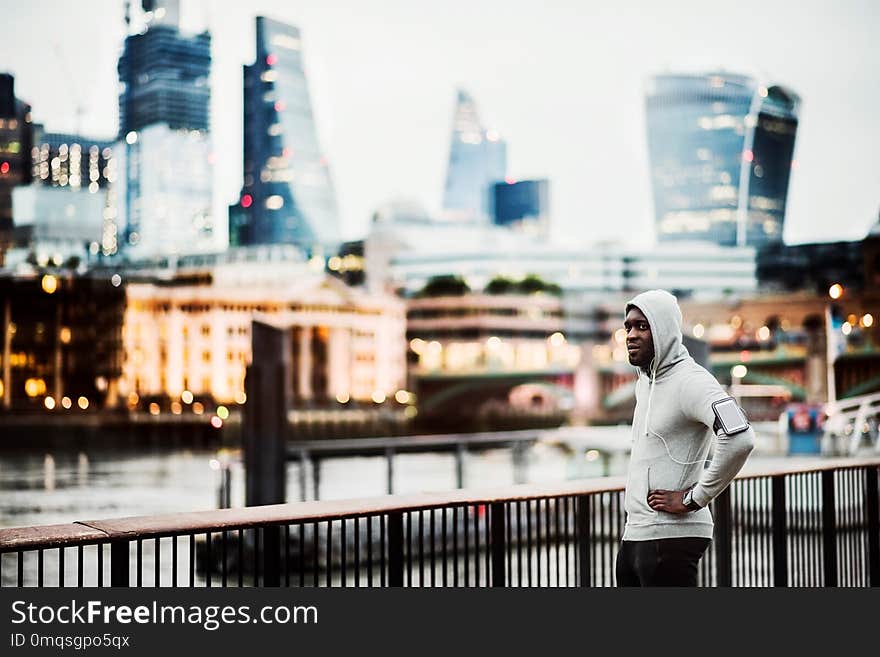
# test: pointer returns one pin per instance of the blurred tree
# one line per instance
(442, 286)
(500, 285)
(533, 284)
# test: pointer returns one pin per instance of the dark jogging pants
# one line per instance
(661, 562)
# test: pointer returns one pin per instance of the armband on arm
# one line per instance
(729, 417)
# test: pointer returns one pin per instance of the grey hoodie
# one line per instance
(674, 401)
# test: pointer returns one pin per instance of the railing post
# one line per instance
(872, 508)
(303, 474)
(389, 463)
(119, 563)
(584, 538)
(829, 528)
(395, 549)
(723, 539)
(269, 388)
(272, 556)
(499, 544)
(780, 540)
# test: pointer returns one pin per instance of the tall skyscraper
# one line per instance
(287, 196)
(165, 145)
(720, 148)
(164, 74)
(523, 205)
(16, 140)
(477, 160)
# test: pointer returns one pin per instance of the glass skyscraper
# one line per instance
(477, 160)
(287, 196)
(523, 205)
(720, 148)
(165, 148)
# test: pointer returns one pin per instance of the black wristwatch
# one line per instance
(688, 500)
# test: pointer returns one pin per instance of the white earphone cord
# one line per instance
(670, 453)
(648, 417)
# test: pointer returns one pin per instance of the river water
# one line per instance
(48, 486)
(53, 486)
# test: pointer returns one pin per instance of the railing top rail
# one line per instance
(426, 440)
(198, 522)
(48, 536)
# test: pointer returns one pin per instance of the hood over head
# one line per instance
(661, 310)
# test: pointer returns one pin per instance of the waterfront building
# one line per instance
(287, 196)
(523, 205)
(721, 151)
(517, 350)
(61, 340)
(402, 256)
(191, 331)
(348, 263)
(477, 160)
(478, 333)
(164, 147)
(16, 141)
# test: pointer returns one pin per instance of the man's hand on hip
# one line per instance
(670, 501)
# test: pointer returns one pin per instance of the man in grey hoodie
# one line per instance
(668, 523)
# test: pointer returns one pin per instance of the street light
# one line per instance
(737, 374)
(835, 291)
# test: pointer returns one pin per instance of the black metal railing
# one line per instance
(810, 526)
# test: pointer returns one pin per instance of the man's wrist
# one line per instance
(689, 502)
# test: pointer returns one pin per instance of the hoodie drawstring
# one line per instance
(650, 392)
(648, 431)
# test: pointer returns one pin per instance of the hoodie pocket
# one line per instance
(636, 503)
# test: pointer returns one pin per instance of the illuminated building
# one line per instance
(348, 263)
(164, 149)
(75, 161)
(478, 333)
(721, 152)
(192, 331)
(523, 205)
(61, 339)
(16, 139)
(477, 160)
(287, 196)
(70, 209)
(501, 353)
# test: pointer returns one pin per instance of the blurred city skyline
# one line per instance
(563, 83)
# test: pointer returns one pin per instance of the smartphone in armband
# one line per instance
(729, 417)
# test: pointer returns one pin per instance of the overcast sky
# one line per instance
(562, 80)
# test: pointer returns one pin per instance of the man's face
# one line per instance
(639, 343)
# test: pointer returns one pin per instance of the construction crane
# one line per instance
(79, 107)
